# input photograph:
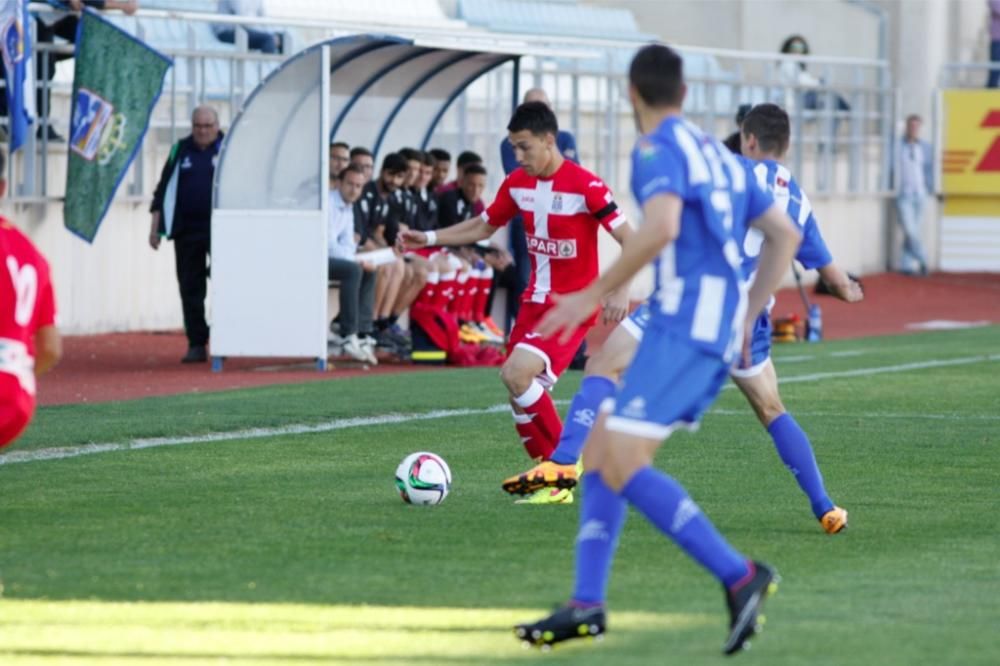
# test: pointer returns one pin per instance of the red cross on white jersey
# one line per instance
(561, 215)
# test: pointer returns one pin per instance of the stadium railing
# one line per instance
(834, 150)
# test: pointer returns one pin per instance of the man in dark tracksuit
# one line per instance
(182, 211)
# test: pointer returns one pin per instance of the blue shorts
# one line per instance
(661, 392)
(760, 348)
(636, 322)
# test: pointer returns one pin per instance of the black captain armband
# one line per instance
(607, 211)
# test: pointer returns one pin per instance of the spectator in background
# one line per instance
(994, 78)
(47, 28)
(182, 211)
(914, 181)
(518, 242)
(794, 74)
(340, 157)
(442, 166)
(29, 340)
(357, 280)
(257, 40)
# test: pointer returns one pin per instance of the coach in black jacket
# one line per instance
(182, 211)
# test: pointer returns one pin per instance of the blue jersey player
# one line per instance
(766, 137)
(696, 200)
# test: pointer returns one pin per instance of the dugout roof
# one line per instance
(385, 92)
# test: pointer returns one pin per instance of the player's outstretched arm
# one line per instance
(840, 283)
(781, 240)
(662, 223)
(467, 232)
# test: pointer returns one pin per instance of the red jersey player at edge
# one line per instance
(563, 205)
(29, 340)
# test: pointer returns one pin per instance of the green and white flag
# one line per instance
(116, 84)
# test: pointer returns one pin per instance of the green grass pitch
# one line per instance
(273, 546)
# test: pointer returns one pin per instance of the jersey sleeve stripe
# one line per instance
(617, 221)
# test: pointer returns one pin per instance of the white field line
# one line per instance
(867, 415)
(59, 453)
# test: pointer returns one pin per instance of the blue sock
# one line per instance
(796, 452)
(666, 504)
(581, 417)
(602, 515)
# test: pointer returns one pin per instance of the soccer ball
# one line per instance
(423, 478)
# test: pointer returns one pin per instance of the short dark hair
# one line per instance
(340, 144)
(412, 154)
(351, 168)
(741, 112)
(769, 124)
(732, 142)
(359, 150)
(914, 116)
(475, 170)
(440, 154)
(429, 160)
(467, 157)
(657, 74)
(394, 163)
(786, 46)
(536, 117)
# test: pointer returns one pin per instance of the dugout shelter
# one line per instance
(269, 220)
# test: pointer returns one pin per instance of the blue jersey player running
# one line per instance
(765, 140)
(696, 201)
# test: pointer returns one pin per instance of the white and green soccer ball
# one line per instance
(423, 478)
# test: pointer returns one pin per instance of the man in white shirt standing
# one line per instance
(357, 280)
(915, 180)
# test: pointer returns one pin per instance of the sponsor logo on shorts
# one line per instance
(553, 247)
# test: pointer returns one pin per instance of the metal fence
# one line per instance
(843, 114)
(967, 74)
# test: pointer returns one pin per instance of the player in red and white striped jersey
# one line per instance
(563, 206)
(29, 340)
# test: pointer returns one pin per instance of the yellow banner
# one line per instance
(970, 159)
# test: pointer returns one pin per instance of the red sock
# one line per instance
(445, 291)
(482, 296)
(427, 294)
(531, 437)
(459, 306)
(537, 403)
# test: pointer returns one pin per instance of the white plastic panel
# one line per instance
(267, 162)
(269, 283)
(411, 124)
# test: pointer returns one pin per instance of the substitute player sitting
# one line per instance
(765, 138)
(563, 205)
(29, 340)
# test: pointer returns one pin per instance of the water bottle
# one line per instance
(814, 326)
